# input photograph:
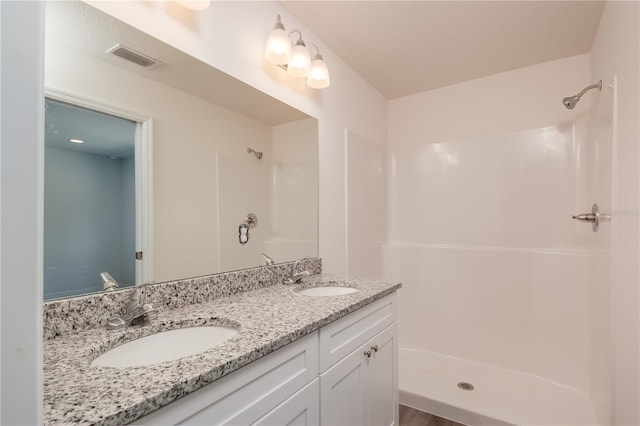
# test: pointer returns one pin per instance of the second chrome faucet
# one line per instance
(297, 276)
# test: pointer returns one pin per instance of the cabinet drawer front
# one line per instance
(302, 409)
(247, 394)
(341, 337)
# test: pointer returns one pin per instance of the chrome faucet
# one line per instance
(136, 307)
(108, 282)
(297, 276)
(268, 261)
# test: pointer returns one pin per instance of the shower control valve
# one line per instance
(595, 217)
(243, 230)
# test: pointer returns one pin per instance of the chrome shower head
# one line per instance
(254, 152)
(571, 101)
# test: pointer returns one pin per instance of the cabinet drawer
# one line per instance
(341, 337)
(248, 394)
(302, 409)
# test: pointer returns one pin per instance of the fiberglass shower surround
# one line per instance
(501, 302)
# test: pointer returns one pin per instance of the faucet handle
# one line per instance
(138, 296)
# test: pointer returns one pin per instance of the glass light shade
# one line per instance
(278, 49)
(194, 4)
(300, 63)
(319, 74)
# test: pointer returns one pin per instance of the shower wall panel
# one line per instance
(243, 185)
(484, 177)
(294, 191)
(520, 309)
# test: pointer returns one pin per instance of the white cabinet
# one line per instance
(343, 336)
(381, 396)
(362, 388)
(301, 409)
(342, 392)
(245, 396)
(286, 387)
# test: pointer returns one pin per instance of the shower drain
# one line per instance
(466, 386)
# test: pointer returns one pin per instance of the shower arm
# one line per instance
(598, 86)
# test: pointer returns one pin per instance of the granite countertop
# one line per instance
(75, 392)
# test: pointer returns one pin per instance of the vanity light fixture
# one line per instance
(296, 60)
(76, 141)
(319, 74)
(300, 63)
(278, 50)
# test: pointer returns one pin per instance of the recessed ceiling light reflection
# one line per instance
(76, 141)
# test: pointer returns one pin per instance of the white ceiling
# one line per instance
(103, 134)
(405, 47)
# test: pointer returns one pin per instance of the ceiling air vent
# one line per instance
(131, 55)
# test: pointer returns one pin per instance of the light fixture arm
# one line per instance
(278, 24)
(300, 41)
(318, 55)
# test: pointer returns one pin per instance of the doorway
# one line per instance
(96, 198)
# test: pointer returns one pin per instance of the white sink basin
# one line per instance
(327, 291)
(166, 346)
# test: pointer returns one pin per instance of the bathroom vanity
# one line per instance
(344, 373)
(296, 359)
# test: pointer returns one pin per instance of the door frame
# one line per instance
(143, 173)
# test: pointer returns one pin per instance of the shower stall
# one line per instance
(504, 312)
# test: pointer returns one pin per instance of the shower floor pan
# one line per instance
(429, 381)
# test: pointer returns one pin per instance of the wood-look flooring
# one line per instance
(411, 417)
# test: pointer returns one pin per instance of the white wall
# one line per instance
(85, 210)
(616, 54)
(21, 154)
(484, 177)
(189, 133)
(366, 199)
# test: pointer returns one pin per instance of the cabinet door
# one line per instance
(381, 402)
(301, 409)
(342, 391)
(345, 335)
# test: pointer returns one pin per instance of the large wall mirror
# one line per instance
(175, 156)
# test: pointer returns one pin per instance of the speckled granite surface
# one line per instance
(75, 392)
(94, 310)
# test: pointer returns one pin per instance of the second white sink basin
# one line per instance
(165, 346)
(327, 291)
